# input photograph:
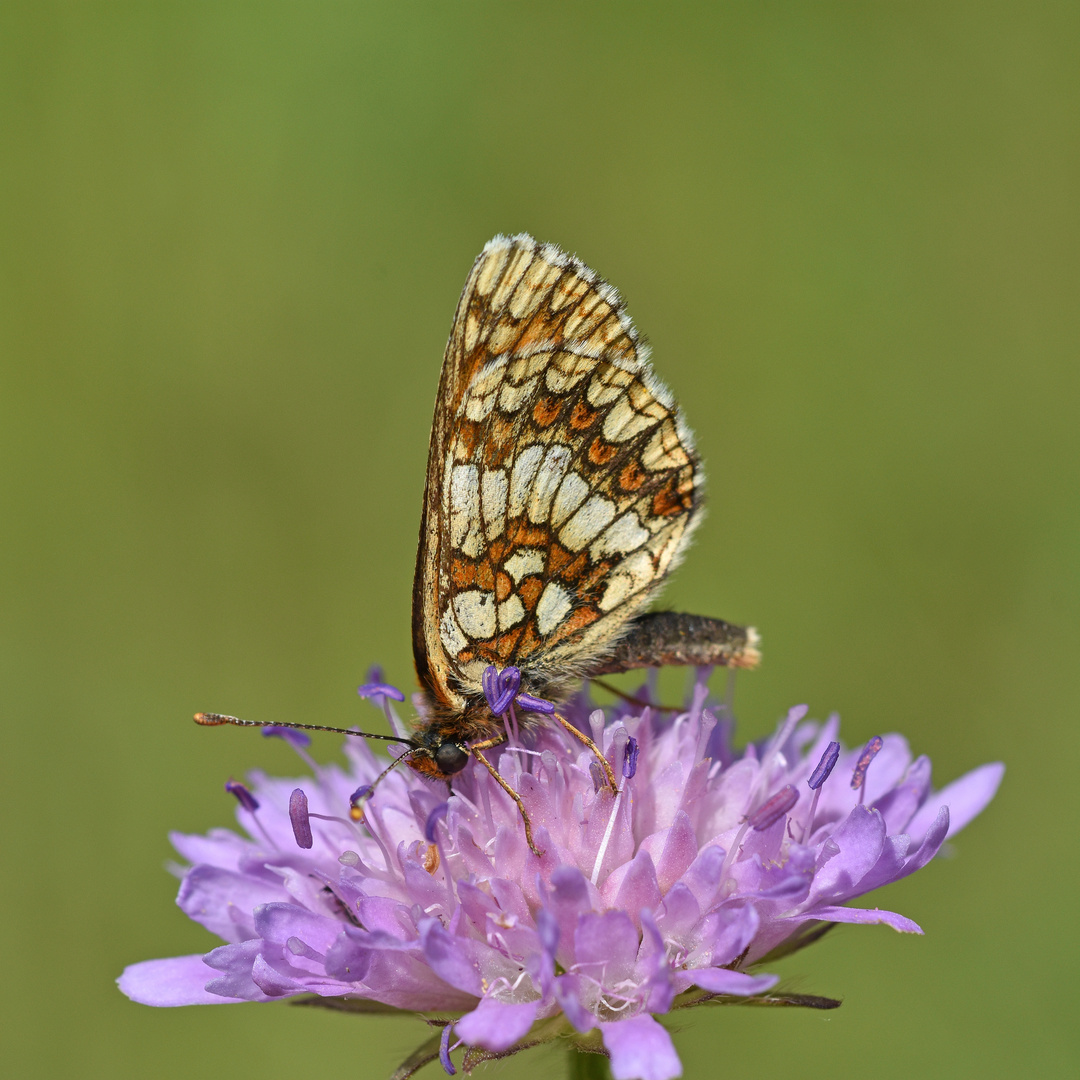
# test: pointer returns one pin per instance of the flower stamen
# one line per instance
(248, 801)
(445, 1048)
(858, 777)
(243, 795)
(768, 813)
(300, 819)
(817, 778)
(602, 850)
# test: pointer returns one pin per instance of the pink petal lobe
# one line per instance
(641, 1049)
(496, 1025)
(179, 980)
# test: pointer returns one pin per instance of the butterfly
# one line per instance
(562, 488)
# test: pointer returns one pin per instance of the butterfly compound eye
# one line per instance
(451, 758)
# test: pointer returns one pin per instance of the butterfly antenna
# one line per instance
(362, 794)
(213, 719)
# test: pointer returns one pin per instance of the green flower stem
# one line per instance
(586, 1066)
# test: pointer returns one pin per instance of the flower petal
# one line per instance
(220, 847)
(570, 991)
(859, 841)
(606, 943)
(722, 981)
(449, 958)
(641, 1049)
(279, 922)
(965, 798)
(236, 963)
(935, 837)
(496, 1025)
(224, 901)
(865, 916)
(178, 980)
(899, 805)
(673, 850)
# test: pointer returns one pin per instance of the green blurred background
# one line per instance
(232, 241)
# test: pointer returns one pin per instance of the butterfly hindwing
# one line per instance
(561, 483)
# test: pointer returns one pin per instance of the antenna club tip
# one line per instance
(209, 719)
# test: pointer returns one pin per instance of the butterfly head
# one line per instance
(437, 756)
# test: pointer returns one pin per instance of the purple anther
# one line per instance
(293, 737)
(444, 1051)
(243, 796)
(629, 758)
(505, 685)
(535, 704)
(360, 794)
(490, 682)
(824, 766)
(858, 777)
(433, 819)
(772, 810)
(380, 689)
(501, 690)
(597, 775)
(298, 815)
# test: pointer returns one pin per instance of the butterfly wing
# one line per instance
(561, 484)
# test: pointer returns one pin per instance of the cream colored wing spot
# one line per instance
(591, 310)
(566, 371)
(554, 605)
(453, 639)
(569, 292)
(624, 535)
(536, 281)
(669, 551)
(515, 271)
(607, 385)
(492, 262)
(548, 478)
(472, 331)
(594, 515)
(524, 563)
(464, 507)
(525, 368)
(571, 494)
(475, 612)
(510, 612)
(521, 478)
(633, 574)
(623, 422)
(512, 397)
(481, 398)
(664, 450)
(494, 491)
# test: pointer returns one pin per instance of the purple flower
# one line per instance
(706, 864)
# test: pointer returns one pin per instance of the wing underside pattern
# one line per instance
(562, 484)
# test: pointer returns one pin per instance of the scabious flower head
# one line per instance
(706, 863)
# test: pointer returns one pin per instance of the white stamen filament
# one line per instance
(729, 858)
(607, 838)
(370, 820)
(808, 827)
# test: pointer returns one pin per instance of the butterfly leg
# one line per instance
(582, 737)
(486, 745)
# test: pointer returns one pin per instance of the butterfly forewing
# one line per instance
(561, 482)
